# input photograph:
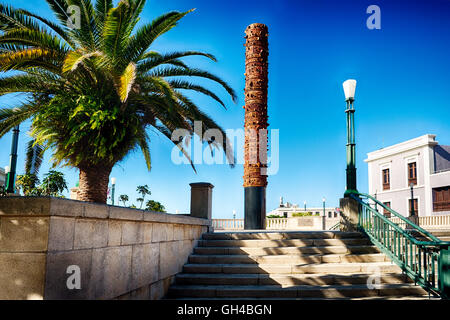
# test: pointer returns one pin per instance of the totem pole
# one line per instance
(255, 153)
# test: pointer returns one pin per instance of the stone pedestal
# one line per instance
(350, 214)
(201, 200)
(74, 193)
(255, 208)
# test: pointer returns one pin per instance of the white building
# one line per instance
(285, 210)
(421, 162)
(2, 177)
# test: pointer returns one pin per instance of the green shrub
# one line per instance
(302, 214)
(274, 216)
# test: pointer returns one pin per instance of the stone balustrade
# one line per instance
(293, 223)
(430, 222)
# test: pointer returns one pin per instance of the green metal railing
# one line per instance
(335, 227)
(425, 262)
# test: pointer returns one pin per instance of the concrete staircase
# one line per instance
(443, 234)
(290, 265)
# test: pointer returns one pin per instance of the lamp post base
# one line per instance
(255, 208)
(348, 192)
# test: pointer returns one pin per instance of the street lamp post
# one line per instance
(7, 170)
(10, 178)
(113, 188)
(413, 213)
(304, 202)
(323, 201)
(324, 215)
(234, 218)
(376, 206)
(349, 90)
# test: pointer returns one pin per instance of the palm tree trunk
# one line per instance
(93, 185)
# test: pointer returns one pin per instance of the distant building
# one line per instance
(421, 162)
(2, 177)
(285, 210)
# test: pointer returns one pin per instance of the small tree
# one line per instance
(27, 183)
(54, 183)
(124, 198)
(143, 190)
(154, 206)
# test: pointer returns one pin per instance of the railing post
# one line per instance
(201, 201)
(350, 214)
(444, 272)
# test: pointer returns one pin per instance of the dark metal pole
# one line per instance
(10, 188)
(376, 206)
(324, 224)
(412, 200)
(351, 157)
(113, 188)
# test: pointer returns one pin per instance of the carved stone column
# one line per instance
(255, 154)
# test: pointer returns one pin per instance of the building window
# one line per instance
(412, 173)
(441, 199)
(386, 180)
(335, 215)
(317, 213)
(285, 214)
(387, 213)
(414, 205)
(329, 214)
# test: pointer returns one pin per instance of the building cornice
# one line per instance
(419, 142)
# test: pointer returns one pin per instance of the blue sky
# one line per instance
(403, 92)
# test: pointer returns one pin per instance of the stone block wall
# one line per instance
(121, 253)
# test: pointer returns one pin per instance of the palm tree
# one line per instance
(143, 190)
(141, 200)
(93, 92)
(124, 198)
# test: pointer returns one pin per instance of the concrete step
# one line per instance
(287, 259)
(286, 250)
(284, 243)
(289, 280)
(267, 291)
(281, 235)
(357, 267)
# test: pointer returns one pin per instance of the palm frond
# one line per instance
(62, 32)
(30, 58)
(180, 72)
(75, 58)
(60, 8)
(155, 59)
(126, 81)
(193, 112)
(102, 8)
(146, 35)
(9, 118)
(143, 144)
(179, 84)
(34, 157)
